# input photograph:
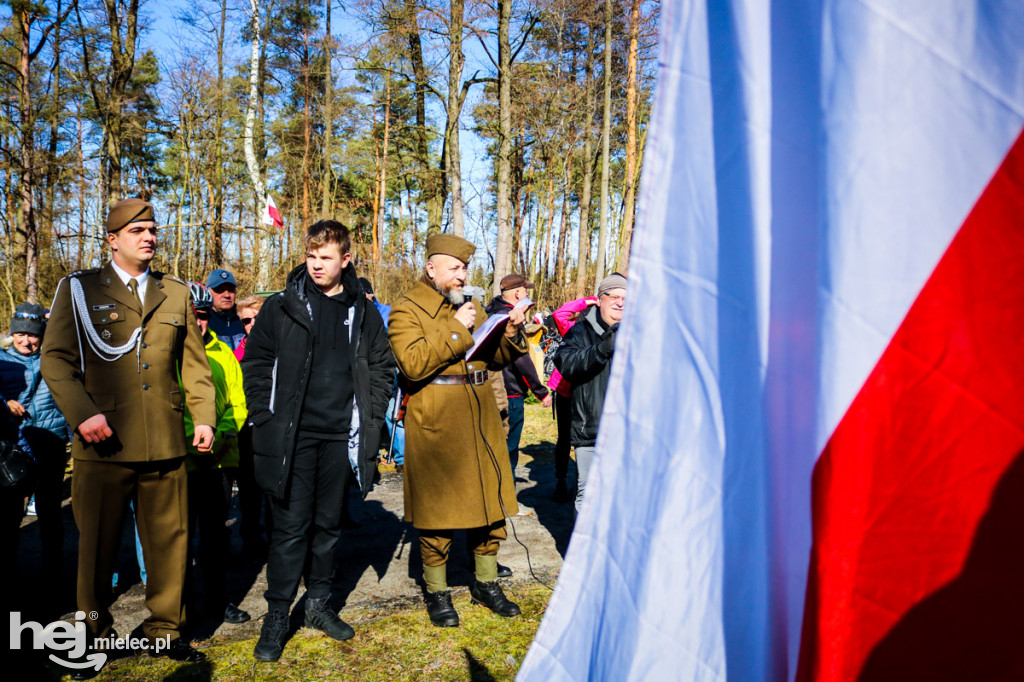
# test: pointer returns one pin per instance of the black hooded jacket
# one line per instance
(280, 386)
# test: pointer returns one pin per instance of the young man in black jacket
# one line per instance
(317, 374)
(585, 359)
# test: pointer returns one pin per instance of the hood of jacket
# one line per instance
(297, 295)
(498, 305)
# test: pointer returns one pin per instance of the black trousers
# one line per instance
(308, 522)
(250, 497)
(563, 416)
(51, 454)
(209, 501)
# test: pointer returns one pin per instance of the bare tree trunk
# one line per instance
(606, 133)
(53, 169)
(326, 173)
(550, 227)
(375, 214)
(262, 235)
(23, 19)
(81, 193)
(631, 105)
(583, 258)
(428, 175)
(306, 132)
(218, 148)
(456, 97)
(560, 251)
(379, 221)
(503, 249)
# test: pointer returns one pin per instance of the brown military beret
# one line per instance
(129, 211)
(450, 245)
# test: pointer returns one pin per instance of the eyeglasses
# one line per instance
(202, 315)
(27, 316)
(246, 321)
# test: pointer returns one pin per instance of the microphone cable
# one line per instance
(497, 471)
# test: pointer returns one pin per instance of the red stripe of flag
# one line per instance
(917, 568)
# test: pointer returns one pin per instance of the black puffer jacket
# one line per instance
(276, 370)
(584, 363)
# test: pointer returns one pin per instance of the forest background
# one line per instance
(519, 125)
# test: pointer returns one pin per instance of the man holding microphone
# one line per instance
(457, 472)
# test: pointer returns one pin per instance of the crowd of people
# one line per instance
(173, 394)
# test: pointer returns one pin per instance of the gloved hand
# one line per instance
(607, 343)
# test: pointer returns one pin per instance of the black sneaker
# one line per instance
(441, 610)
(322, 617)
(491, 596)
(235, 615)
(272, 636)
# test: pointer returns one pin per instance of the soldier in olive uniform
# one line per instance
(457, 472)
(116, 340)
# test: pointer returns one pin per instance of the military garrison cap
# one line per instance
(128, 211)
(450, 245)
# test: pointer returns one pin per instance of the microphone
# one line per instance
(470, 291)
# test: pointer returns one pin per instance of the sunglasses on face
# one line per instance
(246, 321)
(202, 316)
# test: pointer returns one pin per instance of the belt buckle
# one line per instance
(478, 377)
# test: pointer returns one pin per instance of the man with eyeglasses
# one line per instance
(585, 360)
(224, 320)
(116, 340)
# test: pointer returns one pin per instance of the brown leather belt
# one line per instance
(475, 378)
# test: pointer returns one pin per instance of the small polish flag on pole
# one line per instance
(270, 214)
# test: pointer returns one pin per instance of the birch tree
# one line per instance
(263, 236)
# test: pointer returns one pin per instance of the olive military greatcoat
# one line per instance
(139, 394)
(455, 445)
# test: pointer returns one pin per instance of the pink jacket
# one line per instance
(240, 349)
(565, 318)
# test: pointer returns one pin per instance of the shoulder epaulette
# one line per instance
(165, 276)
(79, 273)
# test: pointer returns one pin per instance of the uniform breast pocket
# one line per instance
(108, 321)
(169, 330)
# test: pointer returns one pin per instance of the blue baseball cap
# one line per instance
(220, 276)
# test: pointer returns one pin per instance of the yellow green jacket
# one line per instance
(231, 411)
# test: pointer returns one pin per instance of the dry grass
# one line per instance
(394, 640)
(400, 646)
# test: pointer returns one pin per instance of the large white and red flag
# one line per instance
(811, 459)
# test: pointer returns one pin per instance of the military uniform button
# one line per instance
(143, 345)
(455, 337)
(145, 387)
(145, 366)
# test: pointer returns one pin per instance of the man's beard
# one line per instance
(454, 296)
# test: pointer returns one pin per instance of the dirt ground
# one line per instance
(378, 565)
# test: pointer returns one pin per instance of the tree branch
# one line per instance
(525, 37)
